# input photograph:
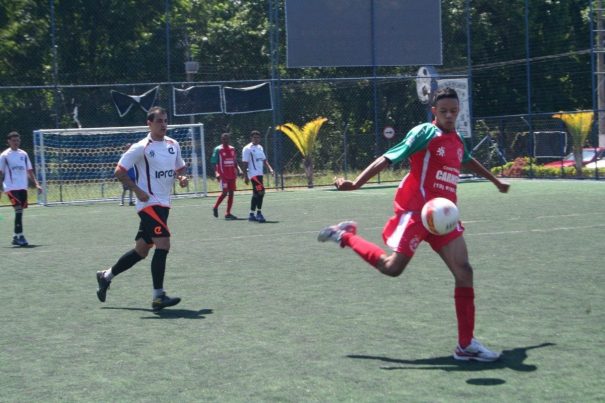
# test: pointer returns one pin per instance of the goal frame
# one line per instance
(199, 179)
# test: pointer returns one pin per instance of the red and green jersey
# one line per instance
(435, 160)
(225, 162)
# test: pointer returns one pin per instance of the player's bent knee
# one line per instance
(392, 266)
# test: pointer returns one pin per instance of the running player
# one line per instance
(254, 159)
(226, 169)
(15, 170)
(157, 161)
(436, 153)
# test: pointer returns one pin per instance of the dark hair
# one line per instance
(156, 110)
(12, 134)
(254, 133)
(225, 134)
(445, 92)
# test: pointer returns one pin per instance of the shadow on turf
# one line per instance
(510, 359)
(169, 313)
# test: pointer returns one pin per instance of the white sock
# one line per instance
(157, 293)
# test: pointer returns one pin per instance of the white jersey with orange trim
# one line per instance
(254, 155)
(15, 165)
(155, 164)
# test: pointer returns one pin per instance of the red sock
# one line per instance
(229, 203)
(464, 297)
(219, 200)
(368, 251)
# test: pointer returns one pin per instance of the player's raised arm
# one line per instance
(373, 169)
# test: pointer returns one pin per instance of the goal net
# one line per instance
(550, 144)
(77, 165)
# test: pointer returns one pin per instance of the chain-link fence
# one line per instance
(524, 63)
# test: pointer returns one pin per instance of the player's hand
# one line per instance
(183, 181)
(343, 184)
(503, 187)
(217, 176)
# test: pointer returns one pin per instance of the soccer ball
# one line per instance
(440, 216)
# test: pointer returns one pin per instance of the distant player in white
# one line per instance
(15, 171)
(157, 162)
(254, 159)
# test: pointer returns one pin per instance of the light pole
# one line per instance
(191, 68)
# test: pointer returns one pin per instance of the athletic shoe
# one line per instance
(475, 351)
(259, 217)
(131, 203)
(164, 301)
(251, 217)
(16, 241)
(103, 286)
(215, 212)
(230, 217)
(121, 203)
(335, 232)
(22, 241)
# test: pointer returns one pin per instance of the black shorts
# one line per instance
(18, 198)
(258, 187)
(153, 223)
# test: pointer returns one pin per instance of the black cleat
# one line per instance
(230, 217)
(16, 241)
(103, 286)
(22, 241)
(164, 301)
(215, 212)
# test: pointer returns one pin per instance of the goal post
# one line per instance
(77, 165)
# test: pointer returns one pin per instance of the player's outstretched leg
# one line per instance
(335, 232)
(475, 352)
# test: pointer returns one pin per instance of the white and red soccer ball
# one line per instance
(440, 216)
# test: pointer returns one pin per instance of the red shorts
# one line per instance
(404, 232)
(228, 184)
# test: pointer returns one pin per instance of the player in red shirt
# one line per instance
(436, 154)
(226, 169)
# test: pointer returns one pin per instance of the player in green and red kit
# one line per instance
(226, 169)
(436, 154)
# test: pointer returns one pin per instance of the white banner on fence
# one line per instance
(463, 124)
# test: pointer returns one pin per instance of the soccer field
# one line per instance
(270, 314)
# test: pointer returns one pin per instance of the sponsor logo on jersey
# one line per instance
(169, 173)
(171, 150)
(447, 177)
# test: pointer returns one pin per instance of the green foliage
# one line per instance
(540, 171)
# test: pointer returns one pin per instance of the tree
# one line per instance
(304, 139)
(579, 125)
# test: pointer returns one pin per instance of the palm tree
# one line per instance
(304, 139)
(578, 124)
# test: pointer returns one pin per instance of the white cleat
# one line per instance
(475, 352)
(335, 232)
